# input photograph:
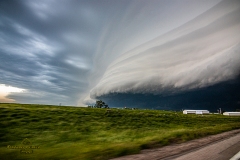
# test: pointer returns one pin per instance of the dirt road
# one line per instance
(216, 147)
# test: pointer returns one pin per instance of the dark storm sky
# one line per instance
(69, 52)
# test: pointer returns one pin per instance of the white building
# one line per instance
(195, 112)
(231, 113)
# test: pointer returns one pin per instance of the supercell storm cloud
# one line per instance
(200, 53)
(203, 52)
(165, 54)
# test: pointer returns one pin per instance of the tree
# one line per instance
(101, 104)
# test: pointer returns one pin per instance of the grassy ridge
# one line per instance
(87, 133)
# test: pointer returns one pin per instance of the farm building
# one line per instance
(195, 112)
(231, 113)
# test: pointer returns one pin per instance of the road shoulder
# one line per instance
(178, 149)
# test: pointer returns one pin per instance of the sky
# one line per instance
(72, 52)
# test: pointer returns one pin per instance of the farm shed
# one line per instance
(195, 112)
(231, 113)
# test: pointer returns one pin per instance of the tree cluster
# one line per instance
(99, 104)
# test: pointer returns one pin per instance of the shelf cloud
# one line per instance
(75, 52)
(202, 52)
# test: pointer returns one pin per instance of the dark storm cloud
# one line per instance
(202, 52)
(60, 51)
(46, 48)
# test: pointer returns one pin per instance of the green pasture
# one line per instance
(97, 134)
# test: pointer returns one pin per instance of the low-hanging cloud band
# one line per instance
(202, 52)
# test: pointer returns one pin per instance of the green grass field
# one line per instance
(90, 133)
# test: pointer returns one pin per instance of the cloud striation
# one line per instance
(203, 52)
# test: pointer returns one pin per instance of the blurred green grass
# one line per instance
(91, 133)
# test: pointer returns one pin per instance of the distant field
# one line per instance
(89, 133)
